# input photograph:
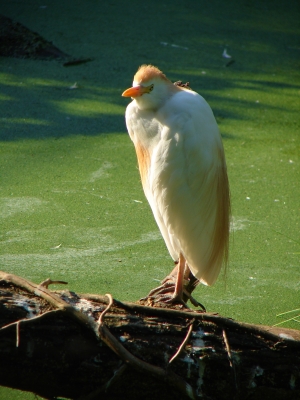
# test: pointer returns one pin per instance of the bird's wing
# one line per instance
(145, 132)
(189, 192)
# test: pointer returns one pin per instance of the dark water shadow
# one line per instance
(182, 39)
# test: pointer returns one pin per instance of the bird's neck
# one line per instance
(163, 92)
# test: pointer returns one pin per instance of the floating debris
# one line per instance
(75, 86)
(225, 54)
(56, 247)
(78, 61)
(174, 45)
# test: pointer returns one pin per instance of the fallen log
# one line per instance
(59, 343)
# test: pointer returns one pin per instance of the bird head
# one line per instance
(150, 88)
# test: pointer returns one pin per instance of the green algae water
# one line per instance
(71, 202)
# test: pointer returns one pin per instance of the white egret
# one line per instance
(183, 172)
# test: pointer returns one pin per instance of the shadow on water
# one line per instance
(185, 40)
(36, 108)
(38, 111)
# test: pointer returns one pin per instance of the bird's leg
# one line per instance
(176, 279)
(188, 283)
(167, 285)
(173, 275)
(165, 291)
(178, 293)
(171, 286)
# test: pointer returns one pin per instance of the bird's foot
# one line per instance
(164, 288)
(162, 294)
(177, 298)
(195, 302)
(180, 298)
(165, 301)
(165, 295)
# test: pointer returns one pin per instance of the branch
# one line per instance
(84, 346)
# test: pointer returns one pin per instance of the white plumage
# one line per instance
(183, 171)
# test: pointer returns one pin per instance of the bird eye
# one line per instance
(151, 88)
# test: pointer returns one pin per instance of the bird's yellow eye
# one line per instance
(149, 88)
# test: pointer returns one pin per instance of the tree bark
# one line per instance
(91, 346)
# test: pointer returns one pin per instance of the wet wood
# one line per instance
(92, 346)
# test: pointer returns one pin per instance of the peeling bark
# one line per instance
(91, 346)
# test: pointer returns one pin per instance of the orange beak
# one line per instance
(134, 91)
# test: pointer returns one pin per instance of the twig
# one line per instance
(231, 361)
(77, 62)
(50, 297)
(222, 322)
(227, 347)
(290, 319)
(110, 303)
(181, 347)
(102, 332)
(18, 333)
(57, 302)
(20, 322)
(49, 281)
(29, 321)
(129, 359)
(288, 312)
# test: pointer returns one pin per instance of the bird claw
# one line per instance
(177, 299)
(195, 302)
(167, 297)
(165, 293)
(164, 288)
(164, 300)
(162, 294)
